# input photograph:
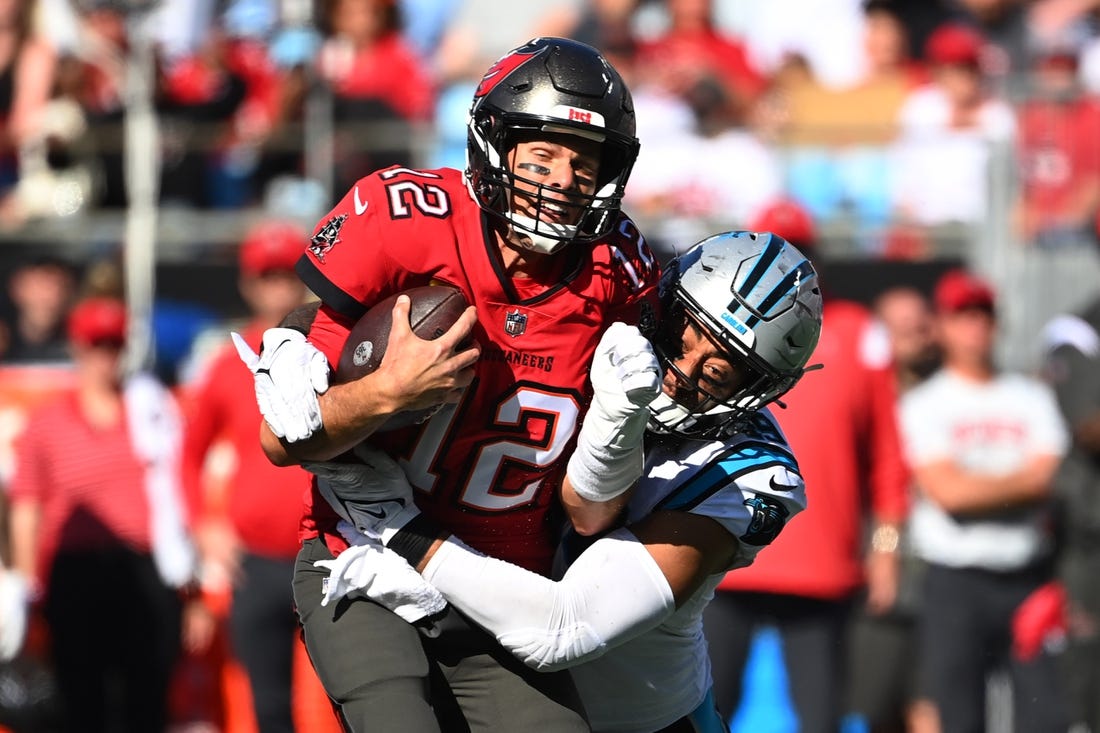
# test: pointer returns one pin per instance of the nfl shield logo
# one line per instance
(515, 323)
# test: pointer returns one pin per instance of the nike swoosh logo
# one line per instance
(787, 488)
(378, 513)
(360, 207)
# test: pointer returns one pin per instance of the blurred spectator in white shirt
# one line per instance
(947, 130)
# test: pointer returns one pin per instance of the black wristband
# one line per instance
(413, 541)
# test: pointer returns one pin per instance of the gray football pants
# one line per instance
(389, 676)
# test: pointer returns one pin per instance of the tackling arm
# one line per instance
(622, 586)
(612, 593)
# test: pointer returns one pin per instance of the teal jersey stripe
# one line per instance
(745, 457)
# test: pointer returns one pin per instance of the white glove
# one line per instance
(374, 496)
(369, 570)
(289, 373)
(626, 377)
(14, 608)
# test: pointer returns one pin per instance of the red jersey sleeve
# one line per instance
(633, 273)
(346, 265)
(887, 472)
(30, 480)
(205, 407)
(360, 252)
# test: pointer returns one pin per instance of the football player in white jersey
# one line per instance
(741, 317)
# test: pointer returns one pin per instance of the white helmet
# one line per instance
(758, 298)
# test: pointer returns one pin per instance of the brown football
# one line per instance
(433, 309)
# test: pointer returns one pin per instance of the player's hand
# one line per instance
(289, 373)
(626, 377)
(367, 569)
(374, 495)
(418, 373)
(15, 598)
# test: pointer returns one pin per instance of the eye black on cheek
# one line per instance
(535, 168)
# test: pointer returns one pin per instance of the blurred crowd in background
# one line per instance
(899, 139)
(882, 113)
(910, 131)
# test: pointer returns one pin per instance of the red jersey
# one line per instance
(489, 467)
(263, 501)
(841, 422)
(87, 479)
(1059, 151)
(709, 51)
(388, 70)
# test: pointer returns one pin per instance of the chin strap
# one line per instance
(526, 229)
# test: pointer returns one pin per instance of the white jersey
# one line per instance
(990, 428)
(751, 485)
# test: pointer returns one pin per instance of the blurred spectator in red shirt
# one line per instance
(201, 95)
(365, 57)
(1059, 152)
(841, 423)
(380, 85)
(238, 163)
(98, 531)
(27, 65)
(697, 62)
(248, 531)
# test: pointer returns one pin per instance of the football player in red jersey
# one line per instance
(533, 235)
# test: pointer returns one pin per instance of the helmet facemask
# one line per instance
(500, 184)
(703, 414)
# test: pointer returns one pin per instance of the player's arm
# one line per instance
(415, 373)
(590, 517)
(590, 510)
(629, 581)
(608, 459)
(961, 492)
(622, 586)
(348, 266)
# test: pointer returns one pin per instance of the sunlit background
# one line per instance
(142, 139)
